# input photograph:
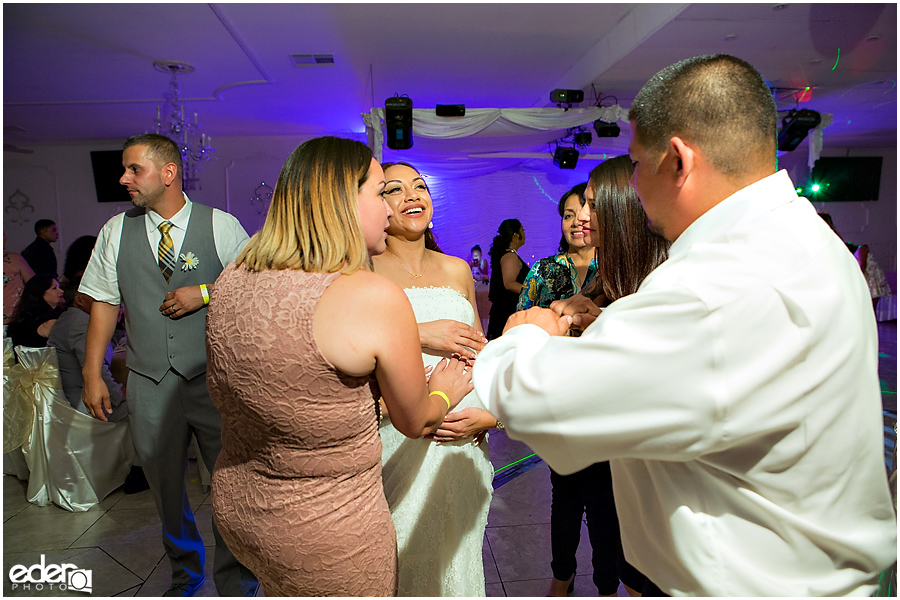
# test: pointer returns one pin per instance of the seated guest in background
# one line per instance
(301, 336)
(736, 393)
(563, 274)
(68, 336)
(39, 307)
(77, 257)
(16, 274)
(39, 253)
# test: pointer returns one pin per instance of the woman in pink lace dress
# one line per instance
(301, 336)
(16, 274)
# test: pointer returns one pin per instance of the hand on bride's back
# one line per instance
(452, 377)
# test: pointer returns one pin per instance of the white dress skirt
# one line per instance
(439, 495)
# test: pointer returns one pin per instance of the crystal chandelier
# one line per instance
(195, 149)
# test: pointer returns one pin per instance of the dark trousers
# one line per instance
(163, 417)
(589, 491)
(650, 590)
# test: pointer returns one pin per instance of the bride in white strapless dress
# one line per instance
(439, 490)
(439, 494)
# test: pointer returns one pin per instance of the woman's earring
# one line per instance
(431, 225)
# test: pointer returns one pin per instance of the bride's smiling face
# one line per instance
(407, 195)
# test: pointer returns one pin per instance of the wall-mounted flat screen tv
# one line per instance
(844, 179)
(107, 165)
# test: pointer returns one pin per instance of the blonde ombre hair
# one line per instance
(313, 221)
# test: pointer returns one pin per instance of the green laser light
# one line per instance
(815, 187)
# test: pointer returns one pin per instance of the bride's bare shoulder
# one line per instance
(451, 264)
(456, 269)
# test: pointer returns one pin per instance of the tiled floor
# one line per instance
(119, 539)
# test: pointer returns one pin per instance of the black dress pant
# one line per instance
(650, 590)
(589, 490)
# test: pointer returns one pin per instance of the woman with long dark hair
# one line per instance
(627, 251)
(508, 272)
(565, 273)
(38, 308)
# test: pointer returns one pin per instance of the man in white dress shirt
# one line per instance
(161, 259)
(736, 393)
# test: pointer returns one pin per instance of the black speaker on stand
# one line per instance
(398, 122)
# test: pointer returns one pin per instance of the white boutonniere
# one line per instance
(190, 261)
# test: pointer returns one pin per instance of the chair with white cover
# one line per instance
(17, 420)
(74, 460)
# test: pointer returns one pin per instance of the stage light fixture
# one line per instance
(583, 139)
(605, 129)
(567, 96)
(565, 158)
(795, 127)
(398, 122)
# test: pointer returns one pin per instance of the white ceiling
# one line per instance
(85, 71)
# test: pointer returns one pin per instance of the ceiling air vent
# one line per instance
(313, 60)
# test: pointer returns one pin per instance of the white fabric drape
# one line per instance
(474, 191)
(508, 123)
(74, 460)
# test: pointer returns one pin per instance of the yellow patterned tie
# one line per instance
(166, 251)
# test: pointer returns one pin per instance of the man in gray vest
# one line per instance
(161, 259)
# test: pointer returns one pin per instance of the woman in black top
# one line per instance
(37, 311)
(508, 271)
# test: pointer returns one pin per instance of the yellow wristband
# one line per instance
(205, 293)
(442, 395)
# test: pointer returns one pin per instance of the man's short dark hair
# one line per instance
(718, 102)
(42, 224)
(161, 149)
(70, 291)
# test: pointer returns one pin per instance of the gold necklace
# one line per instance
(411, 274)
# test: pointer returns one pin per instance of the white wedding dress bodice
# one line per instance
(439, 495)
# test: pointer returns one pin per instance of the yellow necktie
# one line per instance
(166, 251)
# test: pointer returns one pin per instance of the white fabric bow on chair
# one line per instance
(74, 459)
(18, 415)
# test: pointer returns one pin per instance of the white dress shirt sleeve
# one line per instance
(638, 383)
(100, 280)
(229, 236)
